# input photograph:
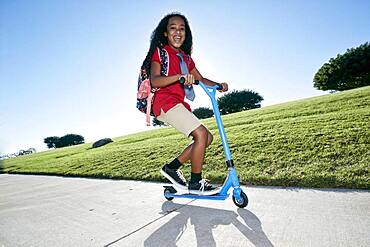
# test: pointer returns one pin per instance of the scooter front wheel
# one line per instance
(243, 200)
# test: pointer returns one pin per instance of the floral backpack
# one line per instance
(145, 92)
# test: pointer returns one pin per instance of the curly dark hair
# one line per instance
(158, 39)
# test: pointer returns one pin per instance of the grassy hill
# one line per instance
(316, 142)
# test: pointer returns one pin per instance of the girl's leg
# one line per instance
(197, 153)
(187, 153)
(198, 149)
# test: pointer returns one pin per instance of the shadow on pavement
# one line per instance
(204, 221)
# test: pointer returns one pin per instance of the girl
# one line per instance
(173, 36)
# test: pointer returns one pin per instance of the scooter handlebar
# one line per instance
(218, 85)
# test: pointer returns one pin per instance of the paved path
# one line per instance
(57, 211)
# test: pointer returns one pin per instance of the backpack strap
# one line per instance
(149, 107)
(165, 61)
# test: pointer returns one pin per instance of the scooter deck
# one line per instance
(176, 194)
(195, 196)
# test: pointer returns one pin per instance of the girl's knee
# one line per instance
(200, 133)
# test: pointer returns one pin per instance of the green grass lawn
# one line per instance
(317, 142)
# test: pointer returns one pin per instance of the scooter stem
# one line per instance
(211, 92)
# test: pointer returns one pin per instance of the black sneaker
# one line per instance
(175, 176)
(203, 187)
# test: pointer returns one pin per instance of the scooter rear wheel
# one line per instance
(168, 190)
(243, 200)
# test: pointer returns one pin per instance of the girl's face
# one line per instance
(175, 32)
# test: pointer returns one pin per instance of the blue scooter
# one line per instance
(240, 199)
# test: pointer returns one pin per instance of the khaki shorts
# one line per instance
(180, 118)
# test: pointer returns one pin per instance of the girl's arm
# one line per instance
(161, 81)
(199, 77)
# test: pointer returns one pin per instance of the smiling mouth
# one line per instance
(177, 38)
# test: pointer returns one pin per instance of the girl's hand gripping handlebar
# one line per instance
(218, 86)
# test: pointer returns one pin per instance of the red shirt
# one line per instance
(171, 95)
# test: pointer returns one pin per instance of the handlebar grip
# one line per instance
(219, 86)
(182, 81)
(196, 82)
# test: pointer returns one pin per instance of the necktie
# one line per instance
(189, 90)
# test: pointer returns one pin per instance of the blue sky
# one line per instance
(71, 66)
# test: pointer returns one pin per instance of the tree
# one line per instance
(203, 112)
(237, 101)
(156, 122)
(70, 140)
(64, 141)
(347, 71)
(51, 141)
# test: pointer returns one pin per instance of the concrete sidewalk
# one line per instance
(57, 211)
